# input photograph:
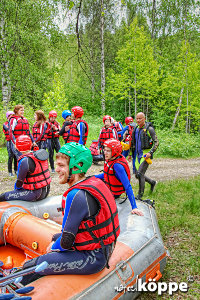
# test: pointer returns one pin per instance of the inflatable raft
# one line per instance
(139, 254)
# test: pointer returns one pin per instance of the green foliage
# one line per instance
(177, 144)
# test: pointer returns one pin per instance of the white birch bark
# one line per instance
(178, 109)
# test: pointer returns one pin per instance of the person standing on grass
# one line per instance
(117, 173)
(107, 132)
(53, 142)
(40, 129)
(144, 143)
(11, 155)
(79, 130)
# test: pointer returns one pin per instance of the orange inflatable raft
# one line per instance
(139, 254)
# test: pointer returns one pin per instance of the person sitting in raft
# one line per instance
(33, 176)
(90, 224)
(117, 173)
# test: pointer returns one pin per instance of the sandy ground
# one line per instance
(162, 169)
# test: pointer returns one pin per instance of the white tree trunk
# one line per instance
(5, 81)
(178, 109)
(135, 93)
(103, 82)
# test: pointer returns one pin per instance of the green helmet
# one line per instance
(77, 153)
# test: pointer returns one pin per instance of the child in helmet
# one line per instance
(66, 114)
(53, 137)
(107, 132)
(11, 155)
(79, 130)
(87, 204)
(33, 176)
(117, 173)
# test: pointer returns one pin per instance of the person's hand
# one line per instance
(129, 158)
(34, 144)
(138, 212)
(66, 128)
(148, 155)
(48, 250)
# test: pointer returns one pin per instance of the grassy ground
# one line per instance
(178, 212)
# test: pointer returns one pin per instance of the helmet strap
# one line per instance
(70, 175)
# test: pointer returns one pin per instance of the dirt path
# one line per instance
(161, 170)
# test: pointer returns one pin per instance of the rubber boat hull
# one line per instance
(139, 253)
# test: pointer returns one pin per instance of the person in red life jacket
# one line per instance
(90, 224)
(127, 134)
(119, 128)
(107, 132)
(117, 173)
(40, 129)
(53, 137)
(66, 114)
(33, 176)
(79, 130)
(11, 155)
(18, 125)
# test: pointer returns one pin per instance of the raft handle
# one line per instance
(158, 276)
(123, 267)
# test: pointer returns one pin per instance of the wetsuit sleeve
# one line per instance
(62, 131)
(81, 129)
(100, 176)
(25, 165)
(121, 175)
(5, 127)
(76, 209)
(154, 138)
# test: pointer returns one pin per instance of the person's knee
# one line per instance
(2, 197)
(138, 175)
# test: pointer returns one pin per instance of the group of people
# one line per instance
(90, 218)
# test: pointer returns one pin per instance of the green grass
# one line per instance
(178, 212)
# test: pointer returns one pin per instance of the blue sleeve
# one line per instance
(76, 209)
(125, 128)
(81, 129)
(121, 175)
(100, 176)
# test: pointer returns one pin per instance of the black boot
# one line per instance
(153, 185)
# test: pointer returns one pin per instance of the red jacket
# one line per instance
(52, 133)
(40, 177)
(21, 128)
(74, 135)
(36, 132)
(107, 133)
(111, 180)
(104, 228)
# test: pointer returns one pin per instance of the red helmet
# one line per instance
(107, 117)
(23, 143)
(115, 146)
(52, 113)
(128, 120)
(78, 111)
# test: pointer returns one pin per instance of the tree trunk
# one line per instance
(5, 78)
(153, 19)
(135, 93)
(92, 69)
(178, 109)
(103, 83)
(129, 102)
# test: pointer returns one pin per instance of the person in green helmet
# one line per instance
(87, 240)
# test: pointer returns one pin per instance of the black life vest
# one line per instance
(111, 180)
(103, 228)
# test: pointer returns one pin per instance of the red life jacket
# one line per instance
(74, 134)
(111, 180)
(22, 126)
(106, 133)
(118, 128)
(40, 177)
(66, 134)
(94, 148)
(52, 133)
(6, 132)
(103, 228)
(36, 132)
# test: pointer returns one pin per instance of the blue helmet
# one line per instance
(66, 113)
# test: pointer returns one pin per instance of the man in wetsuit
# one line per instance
(117, 173)
(33, 176)
(145, 143)
(87, 239)
(79, 130)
